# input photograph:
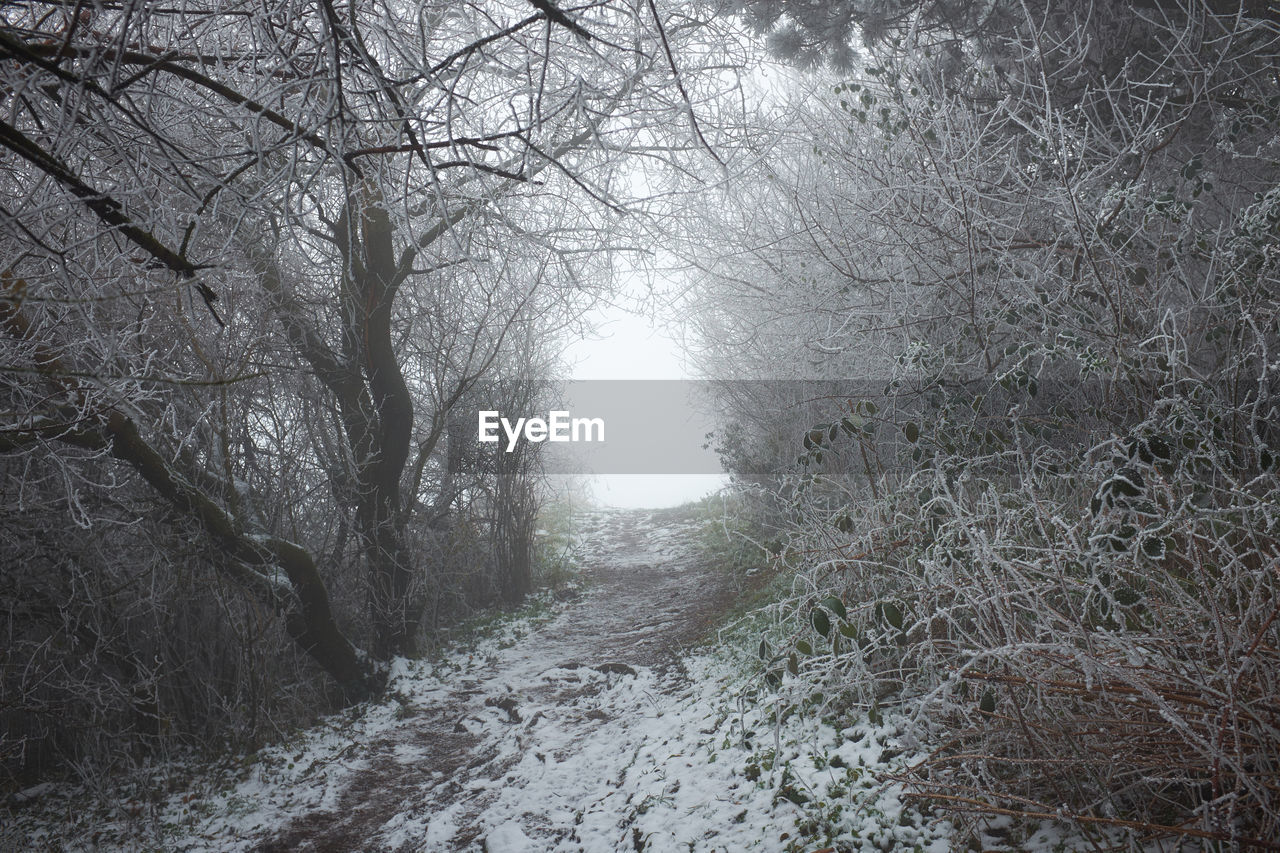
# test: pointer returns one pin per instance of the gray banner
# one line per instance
(640, 426)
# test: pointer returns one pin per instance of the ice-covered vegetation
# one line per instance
(1035, 249)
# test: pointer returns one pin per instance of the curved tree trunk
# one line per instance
(252, 561)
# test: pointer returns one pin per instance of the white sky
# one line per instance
(628, 345)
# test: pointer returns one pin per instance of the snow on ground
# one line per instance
(592, 730)
(655, 762)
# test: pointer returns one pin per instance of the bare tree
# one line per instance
(257, 254)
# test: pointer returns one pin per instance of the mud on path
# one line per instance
(529, 748)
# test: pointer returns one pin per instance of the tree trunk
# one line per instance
(371, 278)
(305, 602)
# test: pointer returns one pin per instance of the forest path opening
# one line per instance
(529, 748)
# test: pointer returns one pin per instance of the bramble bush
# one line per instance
(1050, 533)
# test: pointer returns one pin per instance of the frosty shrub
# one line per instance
(1052, 531)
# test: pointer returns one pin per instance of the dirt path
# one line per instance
(515, 753)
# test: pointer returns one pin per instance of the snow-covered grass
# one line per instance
(721, 774)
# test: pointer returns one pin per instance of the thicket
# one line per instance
(258, 260)
(1050, 527)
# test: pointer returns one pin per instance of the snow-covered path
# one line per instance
(521, 747)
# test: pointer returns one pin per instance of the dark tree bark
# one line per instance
(371, 276)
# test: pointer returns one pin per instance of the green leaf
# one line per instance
(891, 614)
(911, 431)
(821, 623)
(848, 630)
(793, 664)
(836, 606)
(988, 703)
(803, 647)
(764, 650)
(788, 792)
(1127, 482)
